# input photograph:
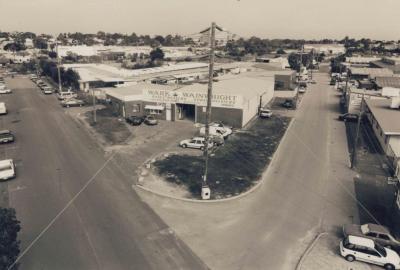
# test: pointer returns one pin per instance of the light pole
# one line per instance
(94, 107)
(58, 67)
(354, 152)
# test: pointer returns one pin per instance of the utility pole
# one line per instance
(312, 62)
(58, 68)
(94, 107)
(205, 189)
(354, 152)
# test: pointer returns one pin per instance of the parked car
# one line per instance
(134, 120)
(288, 103)
(3, 109)
(6, 136)
(348, 117)
(217, 131)
(302, 89)
(5, 91)
(7, 169)
(150, 120)
(196, 143)
(265, 113)
(2, 86)
(312, 81)
(332, 82)
(363, 249)
(47, 90)
(66, 94)
(219, 124)
(380, 234)
(72, 102)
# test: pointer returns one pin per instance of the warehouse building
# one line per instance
(236, 99)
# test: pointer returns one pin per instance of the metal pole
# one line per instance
(94, 107)
(58, 69)
(354, 152)
(209, 96)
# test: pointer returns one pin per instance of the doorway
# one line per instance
(185, 112)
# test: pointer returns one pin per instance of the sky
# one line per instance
(308, 19)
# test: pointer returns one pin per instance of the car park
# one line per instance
(363, 249)
(150, 120)
(72, 102)
(6, 136)
(5, 91)
(265, 113)
(348, 117)
(134, 120)
(7, 169)
(380, 234)
(196, 143)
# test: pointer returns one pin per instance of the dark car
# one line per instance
(378, 233)
(150, 120)
(288, 103)
(348, 117)
(134, 120)
(6, 136)
(72, 102)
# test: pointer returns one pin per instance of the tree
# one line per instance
(156, 54)
(9, 245)
(40, 43)
(71, 78)
(15, 46)
(280, 51)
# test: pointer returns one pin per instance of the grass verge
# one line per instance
(234, 167)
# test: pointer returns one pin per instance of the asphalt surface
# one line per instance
(107, 226)
(308, 188)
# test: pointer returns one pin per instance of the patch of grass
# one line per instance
(234, 167)
(107, 125)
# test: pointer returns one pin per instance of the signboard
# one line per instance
(195, 98)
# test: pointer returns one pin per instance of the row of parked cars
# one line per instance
(371, 243)
(46, 88)
(7, 168)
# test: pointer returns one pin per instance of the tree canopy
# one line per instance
(9, 244)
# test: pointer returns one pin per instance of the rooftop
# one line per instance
(388, 82)
(395, 68)
(384, 115)
(372, 72)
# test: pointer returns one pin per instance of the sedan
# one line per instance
(196, 143)
(5, 91)
(380, 234)
(265, 113)
(72, 102)
(150, 120)
(134, 120)
(348, 117)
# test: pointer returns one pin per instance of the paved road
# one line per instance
(107, 226)
(308, 188)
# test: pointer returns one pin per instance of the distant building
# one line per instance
(221, 37)
(327, 49)
(392, 63)
(363, 60)
(361, 73)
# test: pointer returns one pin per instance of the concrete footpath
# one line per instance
(324, 254)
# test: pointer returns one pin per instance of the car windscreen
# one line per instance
(380, 249)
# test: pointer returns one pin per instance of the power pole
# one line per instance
(354, 152)
(58, 68)
(94, 107)
(208, 109)
(312, 62)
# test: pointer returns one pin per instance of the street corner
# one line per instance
(323, 254)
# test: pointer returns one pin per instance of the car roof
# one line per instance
(362, 241)
(377, 228)
(198, 138)
(5, 131)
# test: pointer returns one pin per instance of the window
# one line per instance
(136, 108)
(153, 111)
(384, 237)
(371, 234)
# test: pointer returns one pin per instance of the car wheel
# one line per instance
(202, 148)
(350, 258)
(388, 246)
(184, 145)
(389, 266)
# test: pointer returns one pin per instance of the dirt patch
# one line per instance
(234, 167)
(112, 129)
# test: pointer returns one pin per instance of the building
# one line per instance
(362, 73)
(327, 49)
(221, 37)
(390, 81)
(354, 98)
(392, 63)
(361, 60)
(236, 99)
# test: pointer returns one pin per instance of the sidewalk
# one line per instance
(324, 255)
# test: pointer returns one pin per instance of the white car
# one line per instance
(2, 86)
(302, 89)
(217, 131)
(265, 113)
(7, 169)
(47, 90)
(196, 143)
(5, 91)
(363, 249)
(65, 95)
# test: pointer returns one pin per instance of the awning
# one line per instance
(153, 107)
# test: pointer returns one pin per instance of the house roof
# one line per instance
(372, 72)
(394, 68)
(386, 81)
(387, 118)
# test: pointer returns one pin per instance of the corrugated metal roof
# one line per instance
(387, 118)
(388, 82)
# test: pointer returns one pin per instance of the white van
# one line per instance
(217, 131)
(3, 109)
(7, 169)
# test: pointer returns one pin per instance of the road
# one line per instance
(308, 188)
(77, 208)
